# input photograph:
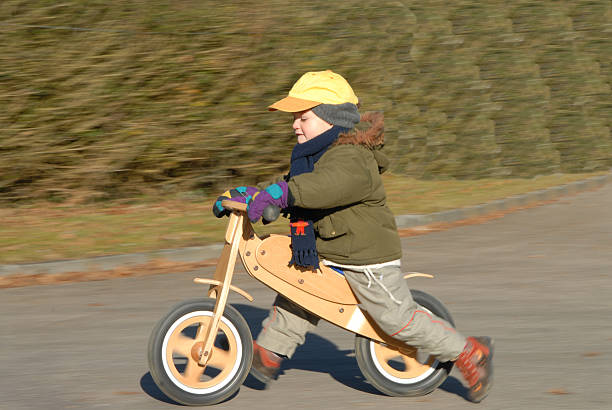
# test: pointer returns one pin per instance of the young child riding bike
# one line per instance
(336, 203)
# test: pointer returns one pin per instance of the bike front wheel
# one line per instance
(406, 371)
(173, 354)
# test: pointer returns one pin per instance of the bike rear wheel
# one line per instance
(404, 372)
(173, 354)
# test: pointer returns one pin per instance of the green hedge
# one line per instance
(164, 96)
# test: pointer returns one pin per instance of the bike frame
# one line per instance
(324, 291)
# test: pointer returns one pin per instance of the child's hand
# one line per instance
(242, 194)
(275, 194)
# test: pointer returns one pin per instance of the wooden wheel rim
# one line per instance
(414, 370)
(226, 361)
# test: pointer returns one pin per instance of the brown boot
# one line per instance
(266, 364)
(476, 365)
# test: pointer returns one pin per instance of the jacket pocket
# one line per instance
(329, 227)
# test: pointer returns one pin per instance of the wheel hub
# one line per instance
(196, 351)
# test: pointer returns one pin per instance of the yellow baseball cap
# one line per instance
(315, 88)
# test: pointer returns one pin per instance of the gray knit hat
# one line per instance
(344, 115)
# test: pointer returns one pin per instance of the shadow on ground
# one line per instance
(454, 386)
(317, 355)
(147, 384)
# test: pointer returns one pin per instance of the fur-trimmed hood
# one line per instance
(372, 138)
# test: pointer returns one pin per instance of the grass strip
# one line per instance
(45, 232)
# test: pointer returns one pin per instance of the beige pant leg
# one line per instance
(405, 321)
(285, 327)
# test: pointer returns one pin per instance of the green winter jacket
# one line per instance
(352, 222)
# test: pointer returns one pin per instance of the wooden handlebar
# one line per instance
(270, 212)
(233, 205)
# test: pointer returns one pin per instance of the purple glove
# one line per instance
(275, 194)
(242, 194)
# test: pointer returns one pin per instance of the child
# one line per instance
(337, 206)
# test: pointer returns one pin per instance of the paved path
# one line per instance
(538, 280)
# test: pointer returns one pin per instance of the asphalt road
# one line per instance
(538, 280)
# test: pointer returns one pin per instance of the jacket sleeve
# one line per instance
(341, 177)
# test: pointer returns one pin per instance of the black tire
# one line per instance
(386, 369)
(171, 358)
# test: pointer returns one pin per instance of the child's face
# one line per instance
(307, 125)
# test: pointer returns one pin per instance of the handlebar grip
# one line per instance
(271, 213)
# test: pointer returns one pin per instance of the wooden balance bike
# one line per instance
(201, 351)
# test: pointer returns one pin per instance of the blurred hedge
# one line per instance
(170, 96)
